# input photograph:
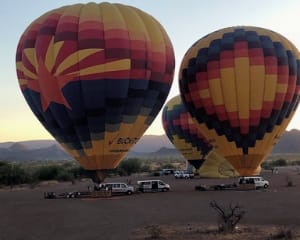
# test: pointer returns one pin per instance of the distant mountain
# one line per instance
(22, 151)
(152, 143)
(288, 143)
(32, 144)
(160, 153)
(149, 146)
(17, 147)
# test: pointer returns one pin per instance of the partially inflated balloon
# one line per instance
(96, 76)
(183, 133)
(187, 138)
(241, 84)
(216, 166)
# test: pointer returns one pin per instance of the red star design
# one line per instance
(48, 86)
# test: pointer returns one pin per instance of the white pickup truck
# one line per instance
(183, 174)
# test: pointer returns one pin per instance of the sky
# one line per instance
(185, 21)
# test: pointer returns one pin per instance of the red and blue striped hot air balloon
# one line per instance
(183, 133)
(96, 76)
(190, 142)
(241, 84)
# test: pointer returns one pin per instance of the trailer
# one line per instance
(217, 187)
(103, 193)
(223, 187)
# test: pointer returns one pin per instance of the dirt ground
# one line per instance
(181, 213)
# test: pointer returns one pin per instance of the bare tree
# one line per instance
(229, 217)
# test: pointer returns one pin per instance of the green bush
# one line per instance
(46, 173)
(54, 172)
(64, 175)
(275, 163)
(145, 168)
(167, 165)
(280, 162)
(13, 174)
(129, 166)
(77, 172)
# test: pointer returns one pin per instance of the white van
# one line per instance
(118, 188)
(259, 182)
(152, 186)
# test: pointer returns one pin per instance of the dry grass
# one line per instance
(199, 231)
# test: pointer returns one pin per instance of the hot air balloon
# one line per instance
(95, 76)
(186, 137)
(241, 85)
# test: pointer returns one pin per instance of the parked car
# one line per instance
(118, 188)
(152, 186)
(167, 171)
(183, 174)
(258, 181)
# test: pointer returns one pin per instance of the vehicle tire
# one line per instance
(129, 193)
(266, 185)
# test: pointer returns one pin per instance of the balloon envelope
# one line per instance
(183, 133)
(241, 84)
(216, 166)
(95, 75)
(187, 138)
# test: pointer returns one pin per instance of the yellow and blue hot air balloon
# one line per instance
(241, 85)
(96, 76)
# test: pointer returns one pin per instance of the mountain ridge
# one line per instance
(149, 146)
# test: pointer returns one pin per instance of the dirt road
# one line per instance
(26, 215)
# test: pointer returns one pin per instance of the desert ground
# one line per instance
(181, 213)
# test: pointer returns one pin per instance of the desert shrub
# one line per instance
(280, 162)
(145, 168)
(64, 175)
(45, 173)
(78, 172)
(268, 165)
(129, 166)
(228, 217)
(295, 162)
(54, 172)
(120, 171)
(13, 174)
(167, 165)
(154, 231)
(283, 233)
